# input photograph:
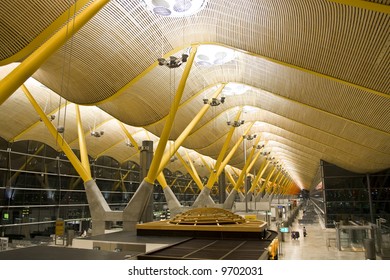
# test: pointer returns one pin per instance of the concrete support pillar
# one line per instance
(228, 204)
(132, 214)
(173, 203)
(146, 156)
(97, 205)
(203, 199)
(222, 187)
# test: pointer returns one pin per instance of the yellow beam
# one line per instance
(120, 182)
(131, 138)
(179, 141)
(272, 182)
(173, 182)
(243, 173)
(232, 151)
(190, 171)
(283, 185)
(259, 174)
(206, 164)
(264, 186)
(367, 5)
(230, 178)
(82, 143)
(277, 183)
(213, 175)
(53, 27)
(60, 140)
(197, 179)
(24, 70)
(161, 179)
(16, 138)
(253, 161)
(154, 166)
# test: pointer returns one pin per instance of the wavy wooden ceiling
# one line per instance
(318, 73)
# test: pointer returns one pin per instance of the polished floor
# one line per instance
(319, 244)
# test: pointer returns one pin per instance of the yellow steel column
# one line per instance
(82, 143)
(161, 179)
(264, 187)
(284, 183)
(254, 160)
(259, 174)
(60, 140)
(190, 171)
(213, 175)
(24, 70)
(179, 141)
(155, 164)
(232, 151)
(231, 179)
(272, 183)
(241, 178)
(277, 182)
(206, 164)
(279, 187)
(131, 138)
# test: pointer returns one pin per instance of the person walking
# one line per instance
(304, 232)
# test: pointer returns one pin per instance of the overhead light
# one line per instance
(214, 101)
(249, 136)
(97, 134)
(175, 8)
(173, 61)
(235, 123)
(128, 143)
(258, 147)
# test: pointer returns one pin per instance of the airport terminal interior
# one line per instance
(195, 130)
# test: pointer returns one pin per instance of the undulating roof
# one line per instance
(311, 78)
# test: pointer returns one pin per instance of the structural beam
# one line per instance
(82, 143)
(259, 175)
(264, 186)
(213, 175)
(367, 5)
(179, 141)
(191, 170)
(232, 151)
(154, 166)
(53, 27)
(128, 135)
(60, 140)
(243, 173)
(24, 70)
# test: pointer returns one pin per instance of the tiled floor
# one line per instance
(315, 245)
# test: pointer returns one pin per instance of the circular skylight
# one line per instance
(175, 8)
(209, 55)
(232, 89)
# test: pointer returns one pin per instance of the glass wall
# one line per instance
(38, 185)
(344, 196)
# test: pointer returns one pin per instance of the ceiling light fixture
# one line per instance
(214, 101)
(97, 134)
(173, 61)
(235, 123)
